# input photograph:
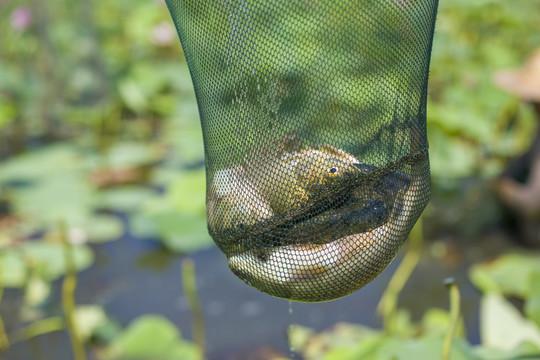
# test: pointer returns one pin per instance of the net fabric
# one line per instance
(314, 124)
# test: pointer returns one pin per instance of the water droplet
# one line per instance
(292, 353)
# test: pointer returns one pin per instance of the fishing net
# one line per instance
(313, 115)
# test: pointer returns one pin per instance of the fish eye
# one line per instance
(333, 170)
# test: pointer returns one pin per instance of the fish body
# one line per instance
(300, 178)
(354, 216)
(260, 205)
(312, 224)
(332, 269)
(233, 201)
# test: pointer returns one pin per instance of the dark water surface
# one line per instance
(132, 277)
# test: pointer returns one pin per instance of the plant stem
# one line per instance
(39, 327)
(455, 299)
(68, 297)
(388, 304)
(190, 291)
(4, 341)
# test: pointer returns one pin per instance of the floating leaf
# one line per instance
(385, 347)
(184, 134)
(47, 259)
(8, 111)
(427, 347)
(437, 321)
(182, 232)
(107, 331)
(179, 215)
(36, 165)
(299, 336)
(127, 154)
(187, 192)
(42, 259)
(13, 268)
(525, 350)
(88, 318)
(64, 197)
(36, 291)
(366, 349)
(532, 306)
(502, 326)
(142, 226)
(102, 228)
(341, 340)
(508, 274)
(133, 95)
(452, 157)
(154, 338)
(165, 174)
(126, 198)
(402, 323)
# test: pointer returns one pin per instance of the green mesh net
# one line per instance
(314, 123)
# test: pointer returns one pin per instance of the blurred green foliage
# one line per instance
(116, 101)
(98, 116)
(105, 116)
(504, 331)
(473, 127)
(151, 337)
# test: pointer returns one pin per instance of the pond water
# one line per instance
(132, 277)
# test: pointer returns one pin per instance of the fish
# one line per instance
(314, 272)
